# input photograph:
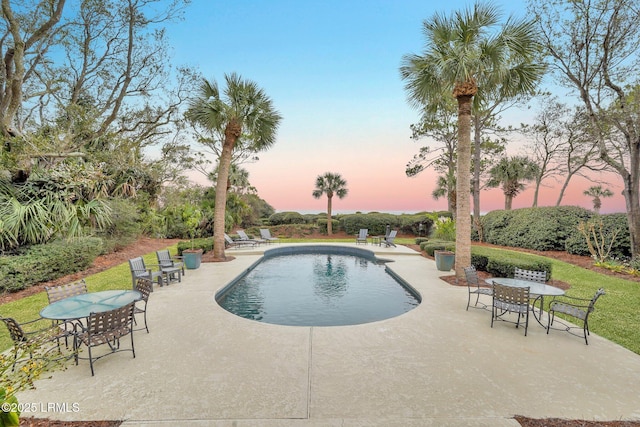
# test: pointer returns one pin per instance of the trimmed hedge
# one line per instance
(204, 243)
(621, 247)
(542, 229)
(377, 223)
(504, 264)
(553, 228)
(437, 245)
(42, 263)
(279, 218)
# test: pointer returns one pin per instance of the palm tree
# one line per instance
(510, 172)
(462, 50)
(330, 184)
(596, 192)
(446, 187)
(242, 117)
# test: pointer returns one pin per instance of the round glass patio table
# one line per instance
(539, 289)
(79, 306)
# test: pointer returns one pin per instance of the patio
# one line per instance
(437, 365)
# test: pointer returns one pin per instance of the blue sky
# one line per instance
(331, 68)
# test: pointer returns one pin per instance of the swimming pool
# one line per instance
(318, 285)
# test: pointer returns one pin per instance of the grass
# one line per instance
(615, 317)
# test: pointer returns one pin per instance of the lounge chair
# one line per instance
(388, 240)
(362, 236)
(265, 234)
(230, 243)
(244, 238)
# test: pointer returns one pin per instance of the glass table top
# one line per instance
(535, 288)
(80, 306)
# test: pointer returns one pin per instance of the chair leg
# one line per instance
(133, 349)
(90, 361)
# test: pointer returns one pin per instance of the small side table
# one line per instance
(376, 240)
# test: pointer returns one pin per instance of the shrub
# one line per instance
(124, 228)
(543, 229)
(42, 263)
(621, 245)
(505, 263)
(204, 243)
(375, 222)
(420, 240)
(444, 228)
(437, 245)
(279, 218)
(322, 225)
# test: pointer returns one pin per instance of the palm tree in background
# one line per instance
(596, 192)
(510, 172)
(446, 187)
(463, 50)
(330, 184)
(240, 117)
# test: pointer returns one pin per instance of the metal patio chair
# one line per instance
(578, 308)
(510, 299)
(530, 275)
(107, 328)
(474, 288)
(145, 287)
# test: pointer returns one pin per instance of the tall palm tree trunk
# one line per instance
(463, 186)
(232, 132)
(329, 225)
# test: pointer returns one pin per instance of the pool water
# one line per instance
(318, 290)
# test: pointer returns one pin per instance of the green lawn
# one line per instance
(615, 317)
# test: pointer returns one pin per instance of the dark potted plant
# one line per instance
(444, 260)
(191, 217)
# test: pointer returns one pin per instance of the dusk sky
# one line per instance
(331, 69)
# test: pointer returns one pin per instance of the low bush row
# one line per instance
(555, 228)
(40, 263)
(498, 265)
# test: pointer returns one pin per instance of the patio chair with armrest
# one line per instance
(362, 236)
(166, 261)
(510, 299)
(30, 337)
(145, 287)
(389, 240)
(474, 288)
(265, 234)
(139, 270)
(106, 327)
(530, 275)
(56, 293)
(578, 309)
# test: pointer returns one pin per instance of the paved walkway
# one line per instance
(437, 365)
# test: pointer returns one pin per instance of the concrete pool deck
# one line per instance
(437, 365)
